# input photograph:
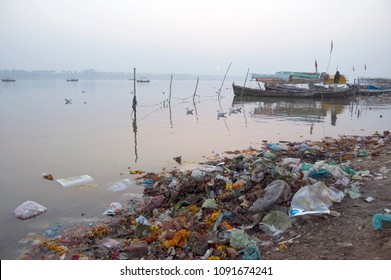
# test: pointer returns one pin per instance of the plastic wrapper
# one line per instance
(314, 199)
(75, 181)
(120, 185)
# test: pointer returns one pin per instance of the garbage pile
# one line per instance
(233, 207)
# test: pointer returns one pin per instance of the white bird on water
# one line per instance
(68, 101)
(221, 114)
(189, 111)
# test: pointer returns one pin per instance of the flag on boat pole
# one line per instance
(353, 68)
(365, 67)
(316, 66)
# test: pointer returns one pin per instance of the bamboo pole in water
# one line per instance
(195, 91)
(224, 78)
(169, 96)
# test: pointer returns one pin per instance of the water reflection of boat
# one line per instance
(310, 110)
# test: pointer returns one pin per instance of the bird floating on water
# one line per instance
(189, 111)
(221, 114)
(68, 101)
(234, 110)
(178, 159)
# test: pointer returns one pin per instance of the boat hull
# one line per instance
(331, 93)
(372, 92)
(246, 91)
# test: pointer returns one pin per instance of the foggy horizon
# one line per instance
(197, 37)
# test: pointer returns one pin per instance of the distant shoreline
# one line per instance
(95, 75)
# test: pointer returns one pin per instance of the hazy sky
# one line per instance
(197, 36)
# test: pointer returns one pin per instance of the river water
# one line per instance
(102, 135)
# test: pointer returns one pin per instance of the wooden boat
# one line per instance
(373, 86)
(320, 91)
(143, 80)
(287, 93)
(289, 77)
(330, 92)
(373, 91)
(7, 80)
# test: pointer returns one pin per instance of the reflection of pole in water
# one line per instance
(134, 115)
(219, 96)
(194, 95)
(333, 116)
(241, 98)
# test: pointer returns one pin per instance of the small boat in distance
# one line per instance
(72, 80)
(143, 80)
(8, 80)
(374, 86)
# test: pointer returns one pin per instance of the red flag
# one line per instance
(316, 66)
(331, 49)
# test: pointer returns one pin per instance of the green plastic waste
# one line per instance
(378, 221)
(210, 203)
(347, 170)
(239, 239)
(278, 219)
(363, 153)
(317, 174)
(306, 166)
(251, 253)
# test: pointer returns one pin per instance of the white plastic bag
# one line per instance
(314, 199)
(113, 209)
(29, 209)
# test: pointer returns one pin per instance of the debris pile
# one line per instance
(234, 207)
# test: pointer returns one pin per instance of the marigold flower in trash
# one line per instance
(154, 227)
(226, 225)
(193, 209)
(221, 247)
(282, 246)
(213, 258)
(210, 219)
(179, 239)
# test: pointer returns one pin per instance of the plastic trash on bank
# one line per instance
(314, 199)
(113, 209)
(53, 230)
(381, 220)
(120, 185)
(29, 209)
(276, 192)
(75, 181)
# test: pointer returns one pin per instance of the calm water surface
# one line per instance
(99, 135)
